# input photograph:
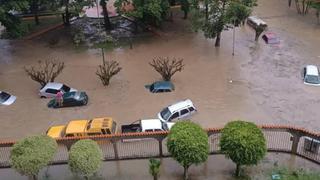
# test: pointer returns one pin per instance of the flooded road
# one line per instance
(260, 83)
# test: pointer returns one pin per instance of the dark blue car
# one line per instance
(160, 86)
(70, 99)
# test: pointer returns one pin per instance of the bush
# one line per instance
(85, 158)
(167, 67)
(31, 154)
(154, 168)
(243, 142)
(107, 70)
(188, 144)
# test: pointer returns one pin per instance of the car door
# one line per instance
(173, 116)
(184, 113)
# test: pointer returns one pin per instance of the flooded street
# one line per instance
(261, 83)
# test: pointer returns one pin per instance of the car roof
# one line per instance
(76, 126)
(53, 85)
(181, 104)
(163, 85)
(55, 131)
(312, 70)
(257, 20)
(151, 124)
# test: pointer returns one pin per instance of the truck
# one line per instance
(79, 128)
(147, 125)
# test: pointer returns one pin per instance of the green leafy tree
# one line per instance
(188, 144)
(85, 158)
(316, 6)
(151, 12)
(243, 142)
(154, 168)
(71, 8)
(218, 15)
(12, 23)
(31, 154)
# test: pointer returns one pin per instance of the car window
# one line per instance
(149, 130)
(52, 91)
(4, 96)
(158, 130)
(175, 115)
(65, 88)
(160, 90)
(165, 113)
(167, 90)
(184, 111)
(191, 109)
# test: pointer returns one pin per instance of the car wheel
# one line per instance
(84, 102)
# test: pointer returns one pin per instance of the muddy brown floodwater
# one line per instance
(260, 83)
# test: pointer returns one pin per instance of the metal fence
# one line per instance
(146, 145)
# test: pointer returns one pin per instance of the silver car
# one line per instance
(51, 89)
(6, 98)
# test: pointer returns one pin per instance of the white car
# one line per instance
(180, 110)
(51, 89)
(6, 99)
(310, 74)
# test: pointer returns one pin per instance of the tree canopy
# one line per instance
(188, 144)
(85, 157)
(31, 154)
(243, 142)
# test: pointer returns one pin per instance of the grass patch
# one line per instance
(299, 174)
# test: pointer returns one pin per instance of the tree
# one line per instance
(151, 12)
(107, 24)
(31, 154)
(217, 15)
(188, 144)
(12, 23)
(72, 8)
(85, 158)
(316, 6)
(243, 142)
(154, 168)
(107, 70)
(45, 72)
(167, 67)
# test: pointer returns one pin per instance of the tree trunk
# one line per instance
(257, 36)
(35, 9)
(107, 24)
(185, 172)
(155, 177)
(238, 170)
(67, 16)
(185, 15)
(207, 10)
(33, 177)
(217, 44)
(289, 3)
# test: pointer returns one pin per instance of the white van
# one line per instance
(254, 22)
(179, 110)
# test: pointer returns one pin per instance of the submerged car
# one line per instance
(51, 89)
(6, 99)
(271, 38)
(310, 74)
(255, 21)
(160, 86)
(70, 99)
(180, 110)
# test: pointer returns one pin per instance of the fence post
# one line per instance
(160, 147)
(115, 148)
(295, 141)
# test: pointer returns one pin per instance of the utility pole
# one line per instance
(234, 36)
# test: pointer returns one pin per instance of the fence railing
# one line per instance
(153, 144)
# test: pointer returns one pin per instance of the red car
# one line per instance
(271, 38)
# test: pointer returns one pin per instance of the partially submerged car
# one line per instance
(271, 38)
(310, 74)
(147, 125)
(51, 89)
(6, 98)
(160, 86)
(70, 99)
(180, 110)
(255, 21)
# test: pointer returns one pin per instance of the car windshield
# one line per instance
(65, 88)
(4, 96)
(165, 113)
(312, 79)
(151, 87)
